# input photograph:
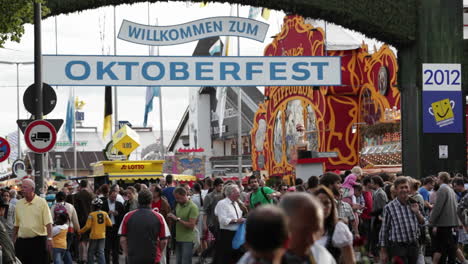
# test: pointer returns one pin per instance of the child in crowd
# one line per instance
(97, 221)
(59, 238)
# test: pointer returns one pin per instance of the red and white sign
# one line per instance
(40, 136)
(4, 149)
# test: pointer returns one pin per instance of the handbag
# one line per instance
(239, 237)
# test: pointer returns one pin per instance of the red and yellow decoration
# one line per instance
(331, 115)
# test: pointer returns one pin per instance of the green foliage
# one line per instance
(15, 13)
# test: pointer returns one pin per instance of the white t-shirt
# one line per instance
(342, 236)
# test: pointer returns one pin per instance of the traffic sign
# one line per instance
(49, 99)
(19, 168)
(24, 123)
(40, 136)
(4, 149)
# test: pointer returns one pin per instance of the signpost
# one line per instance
(40, 136)
(4, 149)
(49, 99)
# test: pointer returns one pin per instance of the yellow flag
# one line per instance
(203, 4)
(266, 13)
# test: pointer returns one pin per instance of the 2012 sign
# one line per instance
(441, 77)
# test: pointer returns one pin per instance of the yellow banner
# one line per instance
(110, 167)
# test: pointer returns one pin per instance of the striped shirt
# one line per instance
(399, 225)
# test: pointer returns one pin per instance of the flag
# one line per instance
(266, 13)
(216, 48)
(203, 4)
(253, 12)
(151, 92)
(221, 94)
(70, 117)
(107, 112)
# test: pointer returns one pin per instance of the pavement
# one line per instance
(172, 260)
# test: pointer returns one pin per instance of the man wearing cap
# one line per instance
(33, 227)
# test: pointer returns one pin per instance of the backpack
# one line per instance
(264, 195)
(60, 209)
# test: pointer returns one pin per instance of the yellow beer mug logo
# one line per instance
(443, 112)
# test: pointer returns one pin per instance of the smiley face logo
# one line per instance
(443, 112)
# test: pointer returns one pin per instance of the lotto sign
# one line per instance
(4, 149)
(40, 136)
(126, 140)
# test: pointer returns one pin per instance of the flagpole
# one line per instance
(74, 134)
(116, 114)
(161, 123)
(239, 118)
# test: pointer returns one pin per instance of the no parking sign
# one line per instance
(4, 149)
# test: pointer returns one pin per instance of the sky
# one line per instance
(91, 33)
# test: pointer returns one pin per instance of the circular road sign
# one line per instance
(40, 136)
(18, 168)
(49, 98)
(4, 149)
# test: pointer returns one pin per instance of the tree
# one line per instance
(14, 15)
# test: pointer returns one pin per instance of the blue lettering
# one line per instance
(199, 70)
(239, 28)
(274, 70)
(218, 26)
(233, 24)
(162, 35)
(198, 30)
(234, 72)
(250, 70)
(85, 75)
(185, 34)
(208, 26)
(101, 70)
(297, 68)
(252, 31)
(320, 66)
(128, 68)
(179, 67)
(148, 35)
(146, 65)
(133, 33)
(176, 33)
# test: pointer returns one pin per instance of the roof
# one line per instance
(336, 37)
(179, 130)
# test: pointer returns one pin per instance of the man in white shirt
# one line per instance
(229, 216)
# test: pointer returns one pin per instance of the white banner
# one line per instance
(192, 31)
(191, 71)
(441, 77)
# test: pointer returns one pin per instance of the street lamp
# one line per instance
(18, 63)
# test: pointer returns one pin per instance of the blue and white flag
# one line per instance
(70, 116)
(151, 91)
(254, 12)
(216, 48)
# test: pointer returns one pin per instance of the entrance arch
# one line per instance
(428, 31)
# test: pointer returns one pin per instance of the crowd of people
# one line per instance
(332, 218)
